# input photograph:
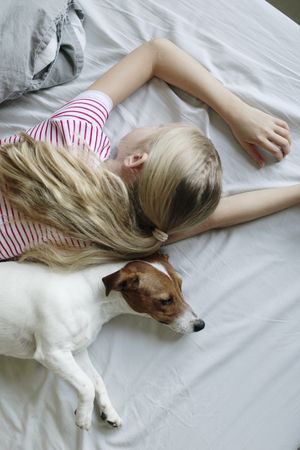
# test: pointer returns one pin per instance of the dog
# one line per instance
(52, 317)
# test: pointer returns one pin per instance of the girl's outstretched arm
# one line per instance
(240, 208)
(161, 58)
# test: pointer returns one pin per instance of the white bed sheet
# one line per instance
(236, 384)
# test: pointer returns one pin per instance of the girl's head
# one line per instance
(174, 174)
(175, 183)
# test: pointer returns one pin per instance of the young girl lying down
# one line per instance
(65, 203)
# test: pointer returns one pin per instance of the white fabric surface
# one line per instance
(236, 384)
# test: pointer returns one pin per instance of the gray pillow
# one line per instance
(26, 28)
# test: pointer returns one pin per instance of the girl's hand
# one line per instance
(254, 128)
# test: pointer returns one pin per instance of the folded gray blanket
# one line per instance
(31, 32)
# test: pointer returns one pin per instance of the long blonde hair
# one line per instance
(178, 187)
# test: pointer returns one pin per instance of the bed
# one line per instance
(236, 384)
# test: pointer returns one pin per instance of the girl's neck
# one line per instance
(114, 165)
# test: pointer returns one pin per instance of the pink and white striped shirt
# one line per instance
(80, 122)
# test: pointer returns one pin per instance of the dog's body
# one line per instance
(41, 309)
(53, 317)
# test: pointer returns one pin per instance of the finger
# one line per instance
(284, 133)
(273, 149)
(281, 123)
(254, 154)
(282, 143)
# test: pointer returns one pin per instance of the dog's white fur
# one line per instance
(53, 317)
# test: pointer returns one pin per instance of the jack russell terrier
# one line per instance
(52, 317)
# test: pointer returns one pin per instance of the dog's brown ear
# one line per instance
(121, 280)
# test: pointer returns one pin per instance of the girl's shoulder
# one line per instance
(79, 123)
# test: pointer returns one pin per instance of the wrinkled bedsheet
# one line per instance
(236, 384)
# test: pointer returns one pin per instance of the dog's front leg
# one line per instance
(108, 412)
(63, 364)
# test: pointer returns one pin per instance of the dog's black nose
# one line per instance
(199, 325)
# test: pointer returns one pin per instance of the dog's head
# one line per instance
(152, 287)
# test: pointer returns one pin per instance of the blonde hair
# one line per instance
(180, 184)
(78, 197)
(177, 188)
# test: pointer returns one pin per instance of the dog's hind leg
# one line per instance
(63, 364)
(107, 411)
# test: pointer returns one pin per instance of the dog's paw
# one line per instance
(83, 419)
(110, 416)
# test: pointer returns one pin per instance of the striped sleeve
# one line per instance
(91, 107)
(80, 123)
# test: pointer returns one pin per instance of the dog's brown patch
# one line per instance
(148, 290)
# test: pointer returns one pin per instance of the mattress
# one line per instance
(236, 384)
